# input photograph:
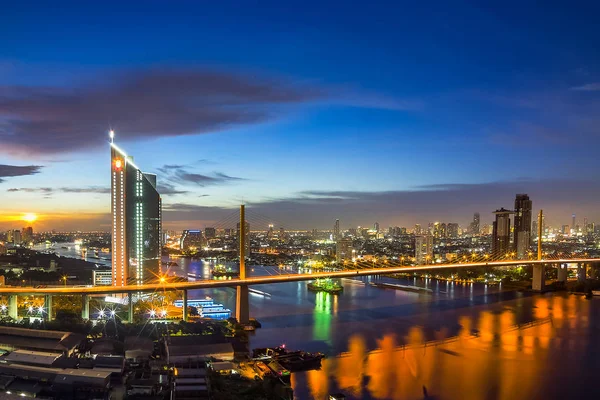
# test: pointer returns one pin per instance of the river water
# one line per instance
(462, 341)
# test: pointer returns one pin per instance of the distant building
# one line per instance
(417, 229)
(336, 230)
(376, 227)
(14, 237)
(191, 239)
(343, 250)
(136, 221)
(475, 225)
(501, 233)
(210, 233)
(423, 249)
(452, 230)
(522, 231)
(246, 241)
(27, 234)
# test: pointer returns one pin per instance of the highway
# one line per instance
(259, 280)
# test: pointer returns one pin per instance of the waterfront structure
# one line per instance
(246, 242)
(191, 239)
(522, 226)
(501, 233)
(102, 278)
(136, 221)
(343, 250)
(423, 249)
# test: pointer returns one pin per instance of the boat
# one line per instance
(220, 270)
(293, 361)
(325, 285)
(595, 292)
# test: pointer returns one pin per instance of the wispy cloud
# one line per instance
(588, 87)
(182, 175)
(49, 190)
(9, 171)
(174, 102)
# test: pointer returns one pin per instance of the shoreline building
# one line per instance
(501, 233)
(136, 226)
(522, 228)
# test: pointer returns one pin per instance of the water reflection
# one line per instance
(502, 358)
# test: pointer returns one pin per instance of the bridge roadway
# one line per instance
(259, 280)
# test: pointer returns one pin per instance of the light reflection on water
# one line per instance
(380, 345)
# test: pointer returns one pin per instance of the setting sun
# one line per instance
(29, 217)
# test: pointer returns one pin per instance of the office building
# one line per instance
(344, 250)
(14, 237)
(423, 249)
(501, 233)
(191, 240)
(336, 230)
(573, 221)
(376, 227)
(102, 277)
(246, 241)
(136, 226)
(417, 229)
(522, 229)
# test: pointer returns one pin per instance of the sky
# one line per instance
(307, 112)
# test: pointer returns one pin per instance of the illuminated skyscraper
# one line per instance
(343, 250)
(191, 239)
(522, 231)
(136, 213)
(336, 230)
(501, 233)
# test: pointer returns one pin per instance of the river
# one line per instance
(462, 341)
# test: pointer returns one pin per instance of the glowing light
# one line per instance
(29, 217)
(41, 309)
(101, 314)
(3, 307)
(118, 164)
(112, 313)
(30, 309)
(152, 313)
(163, 313)
(111, 133)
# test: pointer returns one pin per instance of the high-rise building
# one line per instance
(27, 234)
(376, 227)
(501, 233)
(14, 237)
(475, 224)
(522, 231)
(573, 221)
(246, 239)
(452, 230)
(136, 226)
(336, 230)
(343, 250)
(423, 249)
(417, 229)
(210, 233)
(191, 239)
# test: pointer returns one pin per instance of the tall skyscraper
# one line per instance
(336, 230)
(417, 229)
(376, 227)
(27, 234)
(246, 241)
(136, 212)
(475, 225)
(501, 233)
(573, 221)
(423, 249)
(452, 230)
(522, 231)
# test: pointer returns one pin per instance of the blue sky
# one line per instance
(307, 111)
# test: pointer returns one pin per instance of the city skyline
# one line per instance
(417, 131)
